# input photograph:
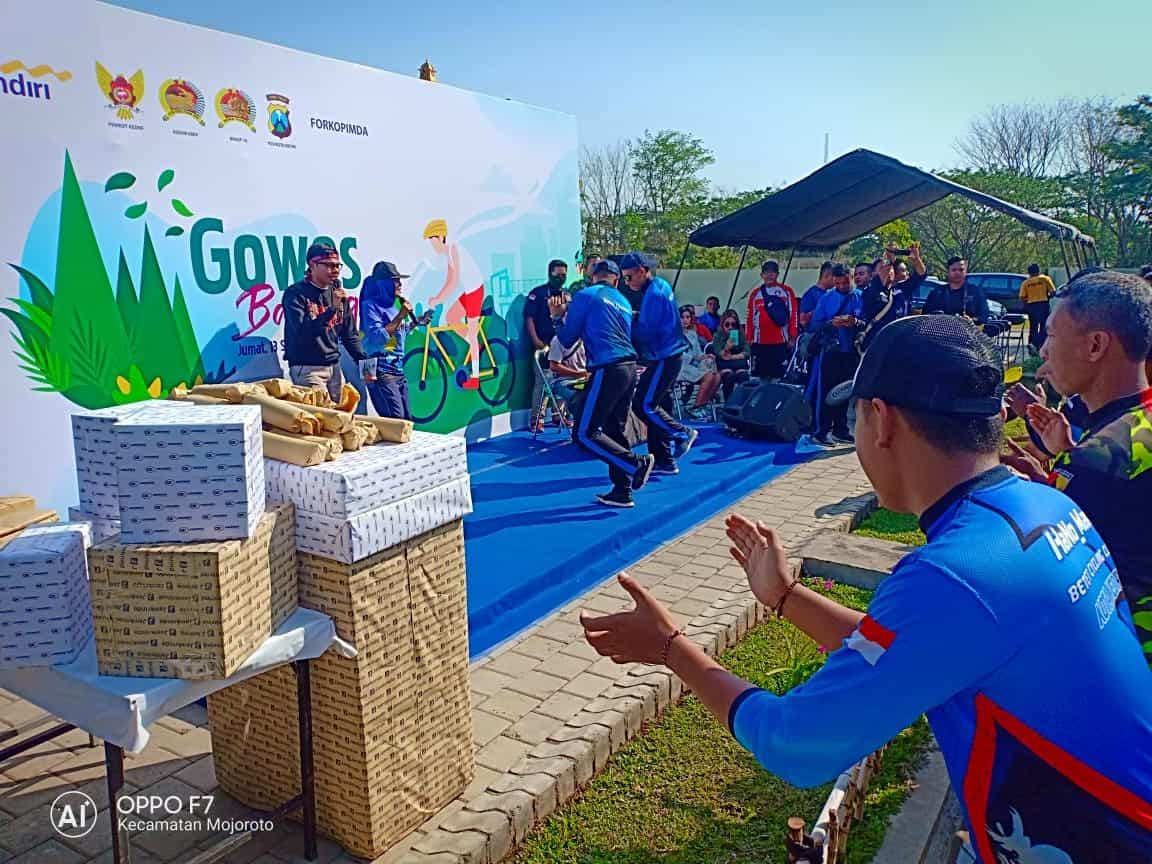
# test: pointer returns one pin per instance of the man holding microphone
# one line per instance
(317, 321)
(388, 318)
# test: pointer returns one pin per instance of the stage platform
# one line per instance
(538, 538)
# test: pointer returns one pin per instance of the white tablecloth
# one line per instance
(119, 710)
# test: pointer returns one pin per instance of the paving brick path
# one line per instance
(547, 711)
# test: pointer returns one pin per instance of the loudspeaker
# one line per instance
(768, 408)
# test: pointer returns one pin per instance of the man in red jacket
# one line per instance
(772, 323)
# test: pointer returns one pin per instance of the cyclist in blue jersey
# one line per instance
(1006, 628)
(602, 317)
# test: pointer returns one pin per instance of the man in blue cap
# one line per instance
(659, 340)
(1007, 628)
(602, 317)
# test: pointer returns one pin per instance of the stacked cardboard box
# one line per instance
(45, 610)
(189, 473)
(392, 728)
(192, 610)
(375, 498)
(102, 529)
(18, 512)
(94, 442)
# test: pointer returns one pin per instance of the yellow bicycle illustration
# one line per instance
(429, 382)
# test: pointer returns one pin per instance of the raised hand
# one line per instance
(638, 636)
(757, 548)
(1023, 463)
(1052, 427)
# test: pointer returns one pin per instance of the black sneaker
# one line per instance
(682, 447)
(643, 472)
(843, 438)
(670, 468)
(616, 498)
(822, 440)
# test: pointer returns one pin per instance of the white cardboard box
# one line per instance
(45, 604)
(102, 529)
(190, 474)
(95, 446)
(369, 478)
(365, 534)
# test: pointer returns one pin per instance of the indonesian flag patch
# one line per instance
(870, 639)
(1060, 478)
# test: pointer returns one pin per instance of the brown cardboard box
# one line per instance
(392, 728)
(192, 610)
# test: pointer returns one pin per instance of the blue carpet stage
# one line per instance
(538, 538)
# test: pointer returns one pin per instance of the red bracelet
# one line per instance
(778, 609)
(668, 645)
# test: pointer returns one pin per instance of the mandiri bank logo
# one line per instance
(14, 82)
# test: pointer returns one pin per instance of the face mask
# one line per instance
(557, 280)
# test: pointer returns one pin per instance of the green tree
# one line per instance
(988, 239)
(895, 234)
(667, 166)
(672, 194)
(1128, 187)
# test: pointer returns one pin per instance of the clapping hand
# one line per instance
(1023, 463)
(1052, 427)
(558, 306)
(639, 635)
(1019, 398)
(757, 548)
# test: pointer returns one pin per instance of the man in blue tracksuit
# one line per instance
(602, 317)
(1008, 628)
(659, 340)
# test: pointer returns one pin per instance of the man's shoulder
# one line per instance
(301, 287)
(1121, 448)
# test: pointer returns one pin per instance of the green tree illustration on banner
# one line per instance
(98, 346)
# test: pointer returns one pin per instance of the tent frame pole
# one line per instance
(788, 266)
(736, 279)
(1064, 255)
(680, 266)
(1076, 254)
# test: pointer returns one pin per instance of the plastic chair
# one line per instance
(548, 395)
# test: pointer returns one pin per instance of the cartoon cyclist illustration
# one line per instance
(462, 294)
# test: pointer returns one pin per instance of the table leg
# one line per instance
(307, 777)
(114, 768)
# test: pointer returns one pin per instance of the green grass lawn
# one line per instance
(897, 527)
(684, 792)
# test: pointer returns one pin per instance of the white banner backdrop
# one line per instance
(162, 181)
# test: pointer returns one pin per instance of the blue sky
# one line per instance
(759, 81)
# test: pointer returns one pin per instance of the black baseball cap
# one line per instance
(321, 250)
(933, 363)
(387, 270)
(606, 266)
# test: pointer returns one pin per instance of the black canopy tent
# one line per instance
(852, 196)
